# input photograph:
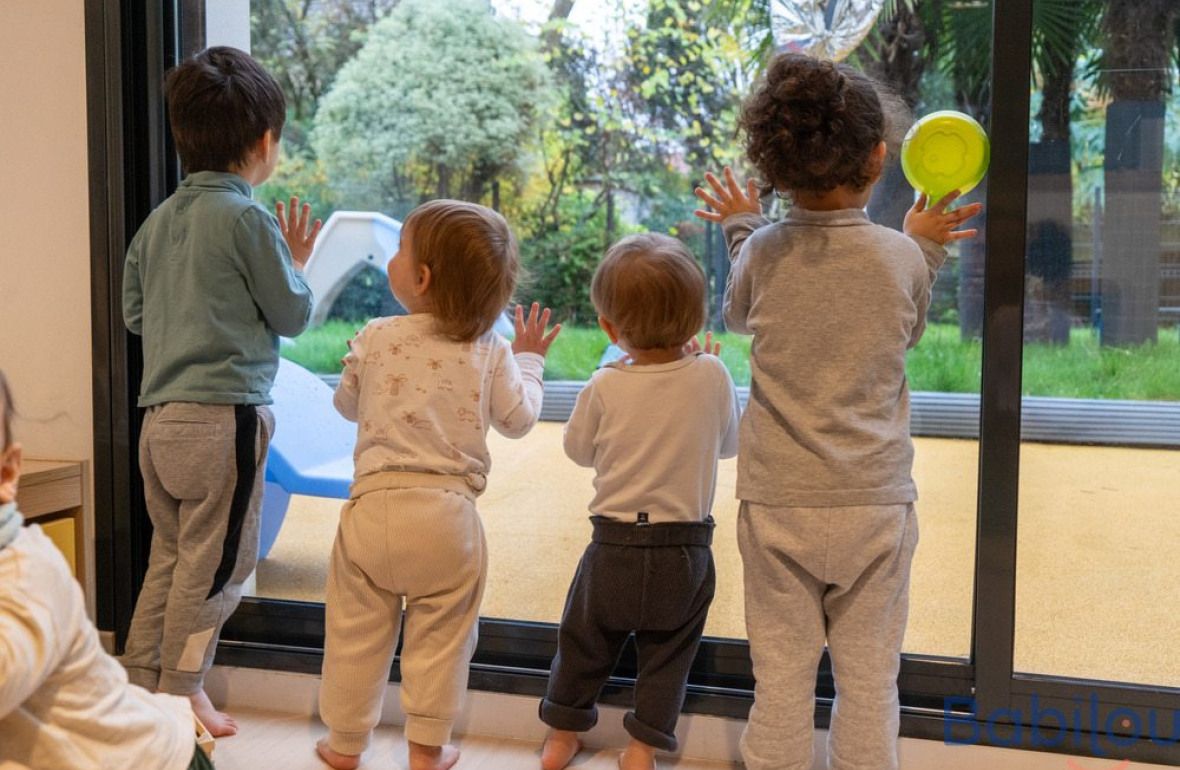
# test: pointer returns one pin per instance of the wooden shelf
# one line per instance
(50, 490)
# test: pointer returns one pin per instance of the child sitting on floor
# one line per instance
(64, 702)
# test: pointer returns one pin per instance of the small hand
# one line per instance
(298, 230)
(729, 198)
(693, 346)
(938, 224)
(530, 333)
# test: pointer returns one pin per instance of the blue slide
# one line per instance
(310, 452)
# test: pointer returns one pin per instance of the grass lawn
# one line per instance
(941, 362)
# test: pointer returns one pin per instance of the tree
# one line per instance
(1140, 36)
(895, 55)
(305, 42)
(438, 102)
(1060, 35)
(680, 72)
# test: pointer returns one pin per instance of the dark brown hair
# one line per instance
(650, 287)
(220, 104)
(7, 407)
(474, 262)
(812, 125)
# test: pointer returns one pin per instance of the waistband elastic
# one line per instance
(470, 486)
(611, 532)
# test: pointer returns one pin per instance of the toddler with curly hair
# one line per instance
(827, 527)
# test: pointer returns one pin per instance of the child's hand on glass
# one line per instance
(693, 346)
(298, 230)
(531, 336)
(938, 224)
(728, 198)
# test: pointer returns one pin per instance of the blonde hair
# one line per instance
(652, 290)
(473, 260)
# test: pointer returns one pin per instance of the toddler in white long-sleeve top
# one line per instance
(653, 429)
(424, 389)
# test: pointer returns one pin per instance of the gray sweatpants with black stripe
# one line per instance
(203, 467)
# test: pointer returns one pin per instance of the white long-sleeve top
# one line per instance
(653, 434)
(65, 703)
(424, 403)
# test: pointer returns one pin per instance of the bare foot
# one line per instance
(218, 724)
(423, 757)
(638, 756)
(336, 759)
(561, 746)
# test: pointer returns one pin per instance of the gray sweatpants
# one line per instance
(836, 573)
(203, 467)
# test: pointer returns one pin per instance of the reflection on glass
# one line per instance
(1098, 529)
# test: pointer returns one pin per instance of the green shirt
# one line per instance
(210, 285)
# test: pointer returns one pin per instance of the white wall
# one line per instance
(44, 221)
(45, 236)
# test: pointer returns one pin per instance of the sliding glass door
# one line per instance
(1045, 391)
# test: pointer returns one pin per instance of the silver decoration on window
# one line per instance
(827, 29)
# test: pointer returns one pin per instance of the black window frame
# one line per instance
(133, 167)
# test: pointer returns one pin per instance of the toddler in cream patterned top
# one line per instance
(424, 389)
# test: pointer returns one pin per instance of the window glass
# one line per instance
(1100, 468)
(583, 122)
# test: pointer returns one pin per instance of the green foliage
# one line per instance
(575, 353)
(365, 296)
(304, 42)
(438, 101)
(941, 362)
(320, 348)
(680, 68)
(300, 174)
(560, 261)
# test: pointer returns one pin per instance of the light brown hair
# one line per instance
(650, 287)
(474, 262)
(6, 416)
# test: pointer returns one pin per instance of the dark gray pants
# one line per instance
(654, 580)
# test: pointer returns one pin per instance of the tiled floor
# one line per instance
(286, 742)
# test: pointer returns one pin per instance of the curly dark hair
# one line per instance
(812, 125)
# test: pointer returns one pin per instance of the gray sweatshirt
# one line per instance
(210, 285)
(833, 301)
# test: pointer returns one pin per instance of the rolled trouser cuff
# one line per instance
(647, 734)
(349, 743)
(428, 731)
(181, 682)
(147, 678)
(561, 717)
